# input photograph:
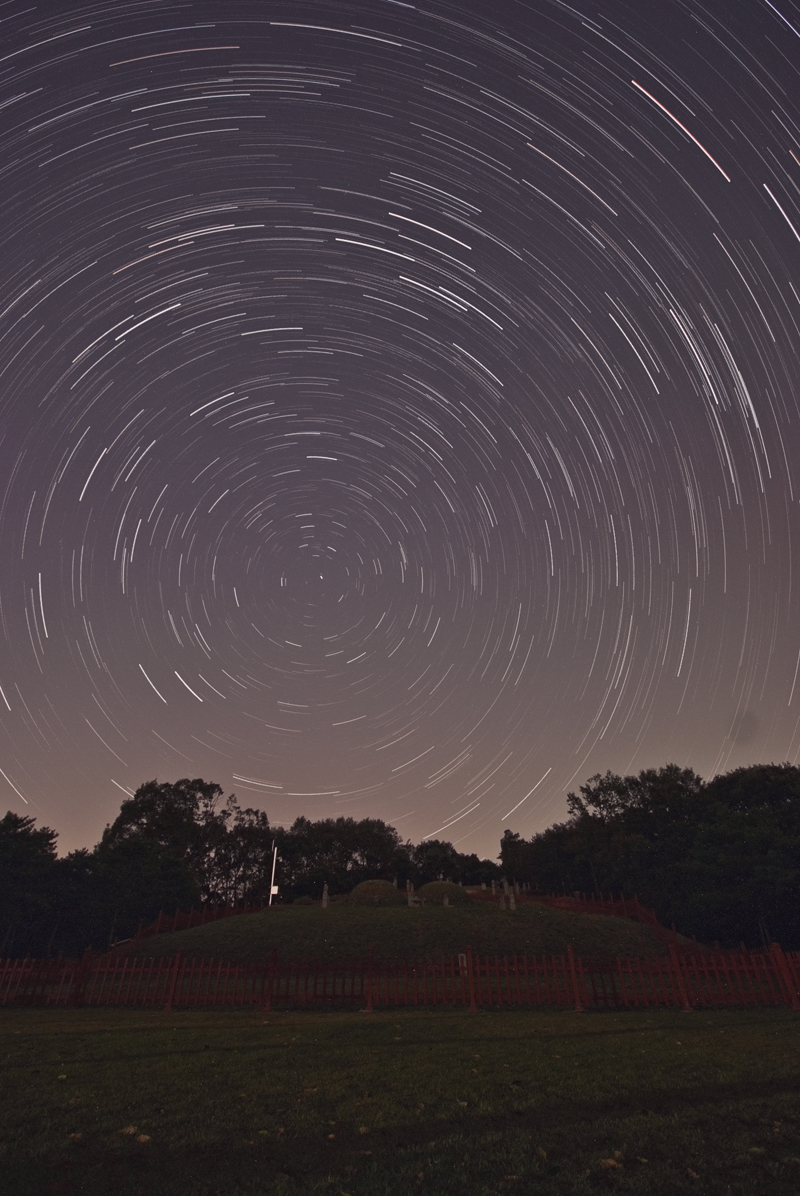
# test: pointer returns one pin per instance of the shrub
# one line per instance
(377, 892)
(435, 892)
(304, 901)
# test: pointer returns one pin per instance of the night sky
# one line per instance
(399, 404)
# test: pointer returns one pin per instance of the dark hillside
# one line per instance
(345, 930)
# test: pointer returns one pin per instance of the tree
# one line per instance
(630, 834)
(27, 876)
(436, 859)
(472, 870)
(243, 859)
(185, 819)
(104, 894)
(720, 859)
(342, 852)
(174, 844)
(655, 795)
(176, 815)
(514, 852)
(742, 874)
(551, 862)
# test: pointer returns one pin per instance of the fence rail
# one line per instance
(683, 980)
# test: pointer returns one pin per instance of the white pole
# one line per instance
(274, 863)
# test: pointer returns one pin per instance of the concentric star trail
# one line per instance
(399, 404)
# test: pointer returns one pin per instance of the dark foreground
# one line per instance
(386, 1104)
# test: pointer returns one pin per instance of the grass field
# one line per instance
(408, 933)
(442, 1104)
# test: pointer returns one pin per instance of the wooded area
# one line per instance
(175, 846)
(719, 859)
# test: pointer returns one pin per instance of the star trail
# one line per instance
(399, 404)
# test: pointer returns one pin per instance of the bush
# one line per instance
(435, 892)
(377, 892)
(304, 901)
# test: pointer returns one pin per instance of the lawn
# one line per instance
(408, 933)
(386, 1104)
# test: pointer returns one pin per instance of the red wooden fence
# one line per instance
(683, 980)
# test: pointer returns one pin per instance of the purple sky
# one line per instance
(399, 408)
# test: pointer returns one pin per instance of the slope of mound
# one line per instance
(348, 931)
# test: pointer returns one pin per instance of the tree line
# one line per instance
(719, 859)
(181, 845)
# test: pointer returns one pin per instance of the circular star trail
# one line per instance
(399, 403)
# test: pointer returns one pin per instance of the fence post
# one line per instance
(173, 980)
(270, 977)
(676, 963)
(575, 989)
(784, 974)
(473, 1008)
(368, 1008)
(79, 978)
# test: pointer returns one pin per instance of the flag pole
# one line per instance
(272, 888)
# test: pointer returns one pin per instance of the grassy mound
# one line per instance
(348, 931)
(376, 892)
(435, 892)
